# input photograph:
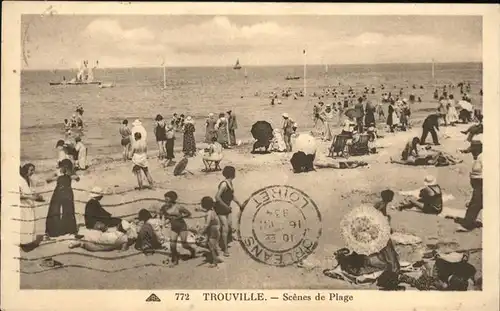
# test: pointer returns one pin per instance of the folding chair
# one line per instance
(361, 146)
(339, 146)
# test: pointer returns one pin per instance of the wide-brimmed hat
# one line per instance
(285, 115)
(365, 230)
(137, 122)
(96, 192)
(453, 257)
(430, 180)
(189, 119)
(210, 114)
(125, 225)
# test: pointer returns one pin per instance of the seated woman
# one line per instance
(95, 213)
(278, 144)
(430, 198)
(147, 239)
(212, 154)
(302, 162)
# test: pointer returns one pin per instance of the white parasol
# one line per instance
(365, 230)
(305, 143)
(466, 105)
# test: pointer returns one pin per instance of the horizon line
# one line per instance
(271, 65)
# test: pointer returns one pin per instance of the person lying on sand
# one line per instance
(100, 239)
(430, 198)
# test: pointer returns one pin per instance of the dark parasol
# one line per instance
(262, 131)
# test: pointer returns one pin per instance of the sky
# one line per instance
(62, 41)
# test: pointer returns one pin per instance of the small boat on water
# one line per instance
(85, 76)
(237, 66)
(292, 78)
(106, 85)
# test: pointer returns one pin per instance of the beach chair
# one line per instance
(339, 146)
(361, 146)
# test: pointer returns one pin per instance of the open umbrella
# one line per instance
(305, 143)
(262, 131)
(365, 230)
(466, 105)
(350, 112)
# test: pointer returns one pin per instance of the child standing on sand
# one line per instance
(211, 229)
(140, 160)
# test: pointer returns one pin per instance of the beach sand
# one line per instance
(335, 192)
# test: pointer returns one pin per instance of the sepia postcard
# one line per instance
(174, 156)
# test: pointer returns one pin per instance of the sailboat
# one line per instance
(85, 76)
(237, 66)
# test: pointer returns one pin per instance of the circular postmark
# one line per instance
(279, 225)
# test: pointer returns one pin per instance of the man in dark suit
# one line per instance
(431, 125)
(359, 112)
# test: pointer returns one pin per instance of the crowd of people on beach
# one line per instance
(352, 112)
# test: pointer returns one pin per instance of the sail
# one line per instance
(81, 72)
(237, 65)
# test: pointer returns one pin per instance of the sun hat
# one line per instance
(365, 230)
(137, 122)
(452, 257)
(96, 192)
(125, 225)
(430, 180)
(189, 119)
(210, 114)
(285, 115)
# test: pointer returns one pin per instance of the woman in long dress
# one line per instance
(188, 143)
(390, 114)
(140, 160)
(81, 149)
(451, 114)
(29, 238)
(328, 117)
(222, 131)
(61, 214)
(210, 128)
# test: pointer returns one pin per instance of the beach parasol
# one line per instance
(262, 131)
(305, 143)
(466, 105)
(180, 167)
(350, 112)
(365, 230)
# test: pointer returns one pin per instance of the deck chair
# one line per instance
(361, 146)
(339, 146)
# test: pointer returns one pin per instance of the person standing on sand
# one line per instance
(137, 127)
(476, 181)
(287, 131)
(81, 149)
(232, 125)
(222, 131)
(169, 144)
(369, 113)
(61, 213)
(223, 198)
(211, 229)
(125, 142)
(161, 135)
(29, 238)
(430, 125)
(140, 160)
(211, 132)
(359, 113)
(178, 227)
(188, 142)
